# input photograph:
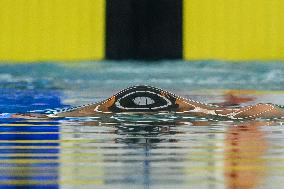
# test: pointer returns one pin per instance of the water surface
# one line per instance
(139, 151)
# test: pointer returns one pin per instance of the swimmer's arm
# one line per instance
(89, 110)
(24, 116)
(258, 111)
(79, 112)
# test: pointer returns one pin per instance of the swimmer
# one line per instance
(147, 99)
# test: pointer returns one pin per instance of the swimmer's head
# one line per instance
(142, 98)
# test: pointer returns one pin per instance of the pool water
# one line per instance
(139, 151)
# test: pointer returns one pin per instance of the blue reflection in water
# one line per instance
(29, 148)
(146, 168)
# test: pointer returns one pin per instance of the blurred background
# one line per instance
(68, 30)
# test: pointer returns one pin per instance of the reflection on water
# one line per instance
(29, 154)
(245, 146)
(134, 151)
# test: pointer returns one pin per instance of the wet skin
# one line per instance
(147, 99)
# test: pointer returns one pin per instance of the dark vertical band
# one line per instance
(144, 29)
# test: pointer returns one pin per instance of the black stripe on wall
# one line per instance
(144, 29)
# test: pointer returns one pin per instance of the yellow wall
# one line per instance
(233, 29)
(32, 30)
